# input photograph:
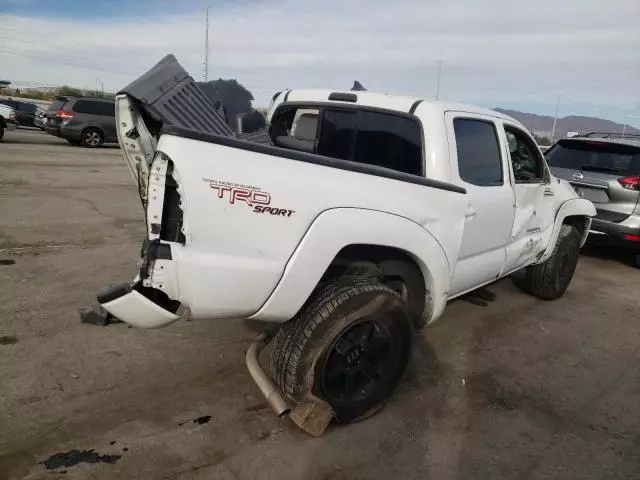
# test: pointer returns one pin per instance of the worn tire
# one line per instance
(304, 346)
(1, 132)
(550, 279)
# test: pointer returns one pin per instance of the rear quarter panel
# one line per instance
(245, 251)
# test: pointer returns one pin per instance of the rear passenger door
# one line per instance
(479, 165)
(27, 113)
(107, 113)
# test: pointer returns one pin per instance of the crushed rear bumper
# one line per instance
(139, 306)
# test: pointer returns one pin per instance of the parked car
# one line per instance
(40, 120)
(25, 111)
(82, 121)
(7, 119)
(605, 169)
(352, 229)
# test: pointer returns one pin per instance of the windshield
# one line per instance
(617, 159)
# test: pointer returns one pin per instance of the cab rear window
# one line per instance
(359, 135)
(589, 155)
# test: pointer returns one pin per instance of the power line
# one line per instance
(65, 58)
(66, 62)
(74, 44)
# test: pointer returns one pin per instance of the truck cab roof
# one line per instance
(399, 103)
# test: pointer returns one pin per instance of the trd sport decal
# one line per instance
(251, 195)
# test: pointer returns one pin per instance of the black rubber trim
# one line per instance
(343, 97)
(412, 110)
(286, 96)
(108, 294)
(163, 252)
(153, 250)
(155, 228)
(309, 158)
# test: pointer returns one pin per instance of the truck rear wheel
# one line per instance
(349, 347)
(550, 279)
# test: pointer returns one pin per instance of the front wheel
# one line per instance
(550, 279)
(349, 347)
(91, 138)
(1, 132)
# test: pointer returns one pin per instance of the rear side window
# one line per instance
(594, 156)
(94, 108)
(389, 141)
(479, 160)
(372, 138)
(8, 103)
(56, 105)
(27, 107)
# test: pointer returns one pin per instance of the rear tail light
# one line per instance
(633, 238)
(630, 183)
(63, 114)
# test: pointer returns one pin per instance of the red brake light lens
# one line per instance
(63, 114)
(633, 238)
(630, 183)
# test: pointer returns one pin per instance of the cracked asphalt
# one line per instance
(503, 386)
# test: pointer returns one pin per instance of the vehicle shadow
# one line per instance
(603, 252)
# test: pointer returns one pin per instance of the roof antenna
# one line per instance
(357, 87)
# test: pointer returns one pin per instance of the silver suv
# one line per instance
(82, 121)
(604, 168)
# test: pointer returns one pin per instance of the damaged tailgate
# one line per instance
(165, 95)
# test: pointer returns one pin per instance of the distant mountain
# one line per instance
(541, 124)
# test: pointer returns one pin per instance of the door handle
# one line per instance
(471, 212)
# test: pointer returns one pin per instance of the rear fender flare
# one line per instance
(576, 207)
(337, 228)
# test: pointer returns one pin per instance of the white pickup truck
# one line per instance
(362, 219)
(7, 119)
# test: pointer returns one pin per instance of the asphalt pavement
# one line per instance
(504, 386)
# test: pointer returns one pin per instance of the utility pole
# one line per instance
(555, 120)
(438, 82)
(206, 45)
(101, 85)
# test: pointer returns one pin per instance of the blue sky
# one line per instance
(494, 52)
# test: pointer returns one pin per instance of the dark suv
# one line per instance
(25, 111)
(82, 121)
